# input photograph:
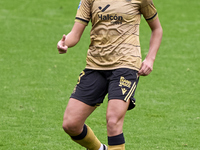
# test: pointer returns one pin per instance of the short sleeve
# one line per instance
(148, 10)
(83, 13)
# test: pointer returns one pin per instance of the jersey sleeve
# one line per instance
(83, 13)
(148, 10)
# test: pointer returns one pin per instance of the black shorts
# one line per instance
(94, 85)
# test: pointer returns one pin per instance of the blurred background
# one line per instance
(36, 81)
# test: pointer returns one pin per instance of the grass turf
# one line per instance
(36, 82)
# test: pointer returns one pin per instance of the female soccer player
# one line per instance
(113, 66)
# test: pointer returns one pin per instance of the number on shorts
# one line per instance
(79, 79)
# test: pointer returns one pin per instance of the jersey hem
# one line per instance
(112, 68)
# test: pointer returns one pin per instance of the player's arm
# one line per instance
(72, 38)
(155, 41)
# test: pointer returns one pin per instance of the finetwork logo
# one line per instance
(115, 19)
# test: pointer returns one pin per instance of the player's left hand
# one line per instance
(146, 67)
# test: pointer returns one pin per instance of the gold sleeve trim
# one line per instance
(152, 18)
(82, 21)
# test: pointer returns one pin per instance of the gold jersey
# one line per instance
(115, 31)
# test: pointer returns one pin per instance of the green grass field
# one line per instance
(36, 82)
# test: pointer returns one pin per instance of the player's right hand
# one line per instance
(62, 48)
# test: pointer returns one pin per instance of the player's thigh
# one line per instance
(116, 112)
(116, 109)
(76, 113)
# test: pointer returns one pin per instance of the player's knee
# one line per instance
(71, 128)
(114, 126)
